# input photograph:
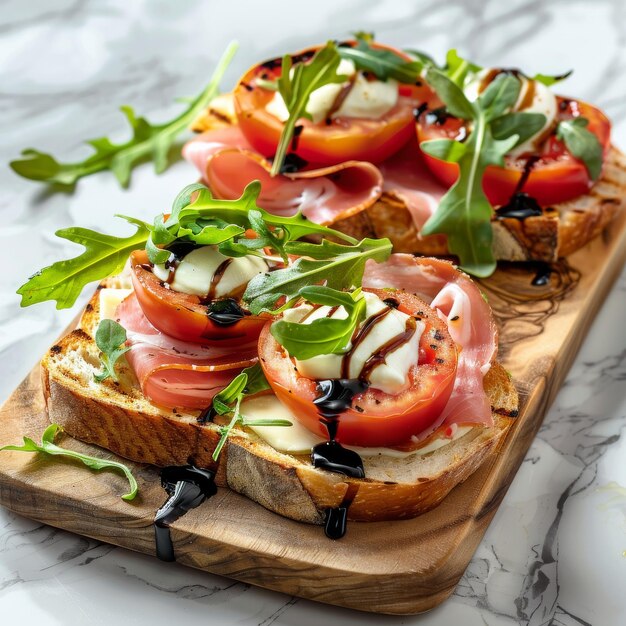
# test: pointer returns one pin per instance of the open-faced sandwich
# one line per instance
(484, 164)
(326, 380)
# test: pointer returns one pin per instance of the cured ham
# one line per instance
(176, 373)
(459, 302)
(227, 163)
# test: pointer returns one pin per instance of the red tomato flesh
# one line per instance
(555, 177)
(328, 142)
(375, 418)
(184, 316)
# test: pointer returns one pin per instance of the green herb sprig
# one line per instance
(148, 141)
(582, 143)
(228, 402)
(334, 265)
(110, 339)
(104, 255)
(296, 90)
(324, 335)
(383, 63)
(205, 220)
(464, 213)
(47, 446)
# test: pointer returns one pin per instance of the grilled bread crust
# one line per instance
(115, 415)
(562, 228)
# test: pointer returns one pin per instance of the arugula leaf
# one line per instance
(383, 63)
(548, 80)
(522, 124)
(324, 335)
(148, 141)
(425, 59)
(296, 90)
(451, 94)
(228, 401)
(206, 220)
(343, 270)
(48, 446)
(457, 68)
(445, 149)
(109, 337)
(464, 213)
(104, 256)
(582, 143)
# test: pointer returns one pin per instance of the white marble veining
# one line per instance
(555, 552)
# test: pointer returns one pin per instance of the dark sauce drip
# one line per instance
(358, 339)
(437, 116)
(247, 86)
(542, 277)
(420, 110)
(336, 522)
(333, 457)
(335, 398)
(528, 168)
(207, 415)
(391, 302)
(187, 488)
(521, 205)
(225, 312)
(217, 277)
(393, 344)
(292, 164)
(297, 131)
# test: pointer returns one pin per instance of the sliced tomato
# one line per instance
(375, 418)
(342, 138)
(554, 174)
(184, 316)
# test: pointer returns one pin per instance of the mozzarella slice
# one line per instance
(195, 272)
(391, 376)
(110, 299)
(366, 99)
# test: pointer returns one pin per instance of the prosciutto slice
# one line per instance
(228, 163)
(460, 304)
(175, 373)
(407, 178)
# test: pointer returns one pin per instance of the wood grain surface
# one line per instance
(389, 567)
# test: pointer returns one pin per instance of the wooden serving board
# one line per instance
(388, 567)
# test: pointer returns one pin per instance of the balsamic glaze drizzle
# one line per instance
(520, 206)
(292, 164)
(335, 398)
(542, 277)
(187, 487)
(225, 312)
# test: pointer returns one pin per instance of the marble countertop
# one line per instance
(555, 552)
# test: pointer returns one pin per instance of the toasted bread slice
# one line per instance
(116, 416)
(562, 229)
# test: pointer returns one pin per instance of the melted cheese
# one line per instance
(391, 376)
(543, 101)
(296, 439)
(366, 99)
(110, 299)
(196, 270)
